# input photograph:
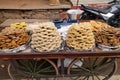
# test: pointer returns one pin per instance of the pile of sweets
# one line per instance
(45, 37)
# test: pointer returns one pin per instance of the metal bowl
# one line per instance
(104, 47)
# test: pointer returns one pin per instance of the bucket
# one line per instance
(74, 14)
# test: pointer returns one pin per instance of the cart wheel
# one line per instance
(32, 69)
(92, 69)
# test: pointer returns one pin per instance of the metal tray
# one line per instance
(104, 47)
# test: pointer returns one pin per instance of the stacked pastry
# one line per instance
(12, 37)
(108, 36)
(80, 36)
(105, 34)
(97, 25)
(45, 37)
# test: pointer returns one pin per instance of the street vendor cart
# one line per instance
(28, 63)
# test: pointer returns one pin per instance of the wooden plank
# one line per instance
(31, 4)
(74, 2)
(10, 21)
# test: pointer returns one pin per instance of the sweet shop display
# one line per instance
(46, 37)
(12, 38)
(80, 36)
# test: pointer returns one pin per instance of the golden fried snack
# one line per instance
(108, 36)
(45, 37)
(80, 36)
(105, 34)
(97, 25)
(19, 25)
(12, 38)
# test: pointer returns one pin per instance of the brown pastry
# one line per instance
(80, 36)
(12, 38)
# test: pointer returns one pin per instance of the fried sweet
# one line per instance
(108, 36)
(12, 38)
(105, 34)
(97, 25)
(19, 25)
(45, 37)
(80, 36)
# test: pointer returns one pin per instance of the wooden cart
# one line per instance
(94, 64)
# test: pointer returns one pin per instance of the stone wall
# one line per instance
(29, 14)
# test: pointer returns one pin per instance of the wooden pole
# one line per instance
(77, 3)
